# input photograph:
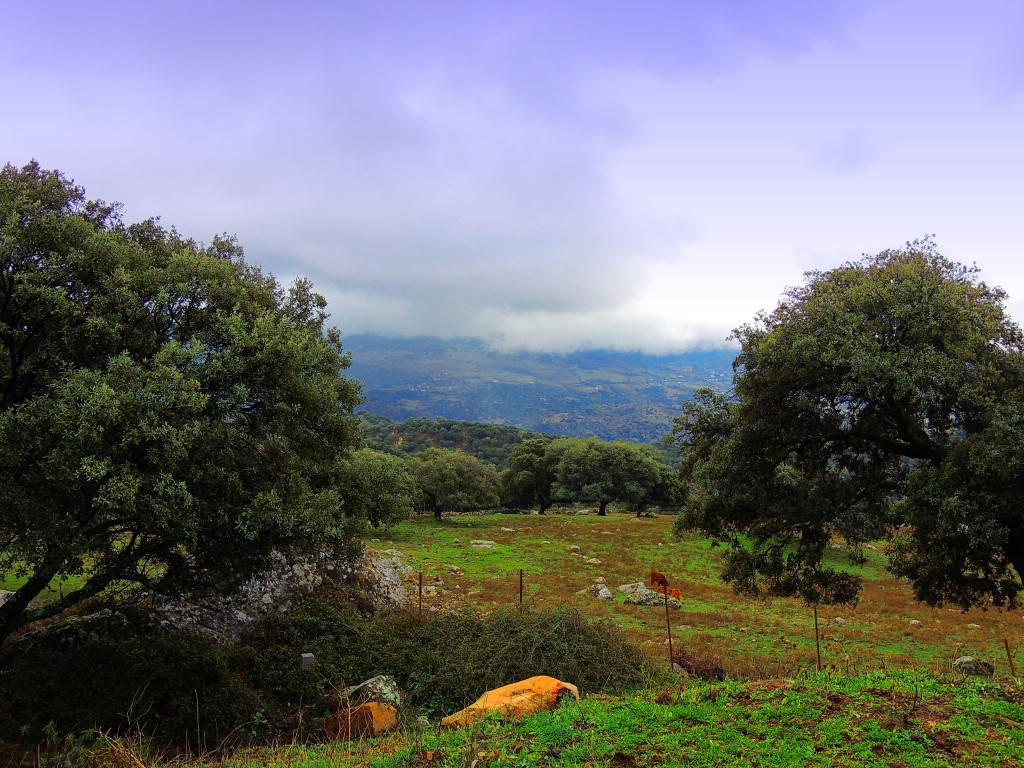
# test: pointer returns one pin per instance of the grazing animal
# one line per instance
(658, 579)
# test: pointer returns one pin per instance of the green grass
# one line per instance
(909, 719)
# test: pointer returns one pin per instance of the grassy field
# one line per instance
(752, 638)
(887, 695)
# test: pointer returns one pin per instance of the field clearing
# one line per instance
(751, 638)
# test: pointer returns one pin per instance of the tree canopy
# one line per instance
(450, 480)
(169, 415)
(588, 470)
(883, 398)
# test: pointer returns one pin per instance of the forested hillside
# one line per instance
(492, 443)
(611, 395)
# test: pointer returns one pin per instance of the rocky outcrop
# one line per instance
(379, 574)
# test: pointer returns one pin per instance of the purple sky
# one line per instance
(548, 175)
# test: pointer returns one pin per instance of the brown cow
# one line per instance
(658, 579)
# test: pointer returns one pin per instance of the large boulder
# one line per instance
(362, 721)
(5, 596)
(515, 700)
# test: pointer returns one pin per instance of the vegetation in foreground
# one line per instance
(894, 695)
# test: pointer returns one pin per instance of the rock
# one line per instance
(575, 548)
(599, 580)
(640, 594)
(835, 546)
(969, 665)
(916, 623)
(382, 689)
(5, 596)
(531, 695)
(362, 721)
(974, 626)
(456, 541)
(509, 530)
(601, 592)
(592, 561)
(839, 621)
(482, 544)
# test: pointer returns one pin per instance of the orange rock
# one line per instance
(369, 719)
(515, 700)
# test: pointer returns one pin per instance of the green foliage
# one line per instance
(491, 443)
(454, 481)
(377, 487)
(881, 397)
(530, 476)
(168, 414)
(117, 678)
(169, 682)
(446, 662)
(592, 471)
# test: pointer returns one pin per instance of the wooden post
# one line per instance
(520, 586)
(1009, 657)
(668, 628)
(817, 637)
(421, 593)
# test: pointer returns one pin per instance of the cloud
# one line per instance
(543, 175)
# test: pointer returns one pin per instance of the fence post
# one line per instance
(668, 628)
(421, 593)
(520, 586)
(817, 638)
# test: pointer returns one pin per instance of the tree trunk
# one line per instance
(601, 509)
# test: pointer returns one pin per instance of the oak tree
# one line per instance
(880, 399)
(169, 415)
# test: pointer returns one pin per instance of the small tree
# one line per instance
(377, 487)
(169, 416)
(454, 481)
(530, 475)
(594, 471)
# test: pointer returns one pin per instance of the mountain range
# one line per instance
(605, 394)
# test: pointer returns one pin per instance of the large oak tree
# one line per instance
(883, 398)
(169, 415)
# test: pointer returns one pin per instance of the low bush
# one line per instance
(179, 687)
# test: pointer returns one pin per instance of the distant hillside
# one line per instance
(611, 395)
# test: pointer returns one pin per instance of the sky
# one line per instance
(547, 175)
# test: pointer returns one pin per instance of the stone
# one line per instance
(482, 544)
(639, 593)
(382, 689)
(575, 548)
(969, 665)
(509, 530)
(974, 626)
(916, 623)
(599, 580)
(839, 621)
(601, 592)
(534, 694)
(5, 596)
(362, 721)
(593, 561)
